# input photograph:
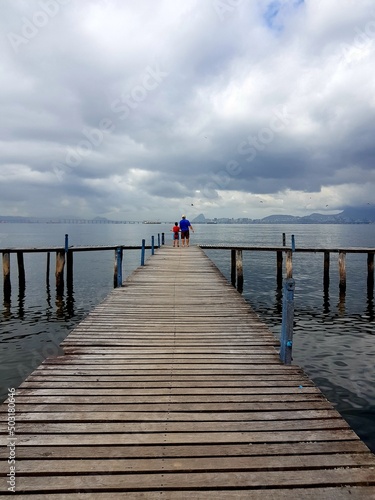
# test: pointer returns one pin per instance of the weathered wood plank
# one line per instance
(219, 480)
(196, 464)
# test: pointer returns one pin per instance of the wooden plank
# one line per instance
(227, 480)
(327, 493)
(117, 416)
(202, 450)
(137, 439)
(196, 464)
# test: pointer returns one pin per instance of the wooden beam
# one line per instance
(239, 270)
(279, 269)
(289, 264)
(59, 274)
(6, 275)
(326, 270)
(342, 271)
(370, 273)
(233, 267)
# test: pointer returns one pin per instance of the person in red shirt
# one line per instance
(176, 236)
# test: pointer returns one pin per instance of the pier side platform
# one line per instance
(172, 388)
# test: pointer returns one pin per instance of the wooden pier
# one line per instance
(172, 388)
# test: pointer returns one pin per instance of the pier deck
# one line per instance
(172, 388)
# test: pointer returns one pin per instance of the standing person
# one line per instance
(176, 236)
(184, 226)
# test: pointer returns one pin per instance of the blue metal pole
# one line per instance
(293, 244)
(152, 245)
(119, 266)
(143, 252)
(66, 243)
(286, 338)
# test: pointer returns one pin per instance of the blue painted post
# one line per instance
(162, 238)
(66, 243)
(286, 338)
(158, 240)
(152, 245)
(119, 266)
(143, 252)
(293, 244)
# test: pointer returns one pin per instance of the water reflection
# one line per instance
(278, 301)
(341, 303)
(326, 303)
(370, 307)
(21, 301)
(7, 303)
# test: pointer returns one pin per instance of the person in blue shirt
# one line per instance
(184, 227)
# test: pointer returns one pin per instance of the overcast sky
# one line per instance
(148, 109)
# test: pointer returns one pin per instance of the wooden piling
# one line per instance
(69, 269)
(326, 270)
(143, 252)
(6, 275)
(286, 337)
(60, 264)
(239, 270)
(370, 273)
(279, 268)
(289, 264)
(115, 271)
(119, 266)
(233, 267)
(342, 271)
(48, 267)
(21, 270)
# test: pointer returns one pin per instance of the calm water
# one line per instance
(334, 337)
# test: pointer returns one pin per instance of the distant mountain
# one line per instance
(356, 214)
(199, 219)
(350, 215)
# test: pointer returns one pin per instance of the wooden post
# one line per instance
(233, 267)
(370, 273)
(21, 270)
(342, 271)
(152, 245)
(279, 269)
(69, 269)
(239, 270)
(293, 243)
(289, 264)
(48, 267)
(158, 240)
(162, 238)
(115, 271)
(119, 266)
(6, 276)
(326, 270)
(60, 264)
(284, 240)
(143, 252)
(286, 339)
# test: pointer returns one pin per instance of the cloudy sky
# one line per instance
(139, 109)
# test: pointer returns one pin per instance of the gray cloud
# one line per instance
(113, 110)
